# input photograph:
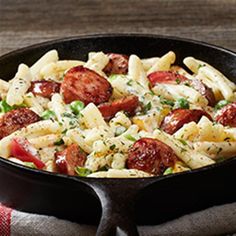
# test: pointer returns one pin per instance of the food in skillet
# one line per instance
(117, 115)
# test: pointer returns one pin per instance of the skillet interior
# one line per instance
(72, 198)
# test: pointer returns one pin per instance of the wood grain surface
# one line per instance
(25, 22)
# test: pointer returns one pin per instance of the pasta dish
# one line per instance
(116, 115)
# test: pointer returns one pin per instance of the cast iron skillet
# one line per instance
(121, 203)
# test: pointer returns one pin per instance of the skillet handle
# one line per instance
(117, 211)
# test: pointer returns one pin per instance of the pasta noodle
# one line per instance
(164, 63)
(49, 57)
(19, 85)
(56, 70)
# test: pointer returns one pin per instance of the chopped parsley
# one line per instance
(103, 168)
(129, 83)
(59, 142)
(151, 92)
(182, 103)
(183, 142)
(147, 107)
(112, 147)
(113, 77)
(30, 164)
(183, 150)
(199, 66)
(48, 114)
(64, 131)
(167, 102)
(187, 84)
(130, 138)
(219, 150)
(69, 115)
(178, 81)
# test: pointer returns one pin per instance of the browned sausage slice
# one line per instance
(227, 115)
(16, 119)
(86, 85)
(151, 155)
(178, 117)
(71, 157)
(166, 77)
(127, 104)
(204, 90)
(118, 64)
(44, 88)
(169, 77)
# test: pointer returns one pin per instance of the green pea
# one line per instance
(4, 107)
(48, 114)
(77, 106)
(168, 171)
(82, 171)
(221, 104)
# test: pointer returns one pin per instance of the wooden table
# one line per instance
(25, 22)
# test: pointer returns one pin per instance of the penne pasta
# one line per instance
(97, 62)
(164, 63)
(92, 117)
(45, 141)
(149, 62)
(19, 85)
(136, 71)
(49, 57)
(56, 70)
(216, 150)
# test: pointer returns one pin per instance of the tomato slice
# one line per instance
(24, 151)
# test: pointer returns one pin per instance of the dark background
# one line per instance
(25, 22)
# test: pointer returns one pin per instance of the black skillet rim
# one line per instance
(104, 35)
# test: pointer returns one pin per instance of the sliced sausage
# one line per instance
(204, 90)
(169, 77)
(44, 88)
(227, 115)
(71, 157)
(127, 104)
(118, 64)
(166, 77)
(151, 155)
(178, 117)
(16, 119)
(86, 85)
